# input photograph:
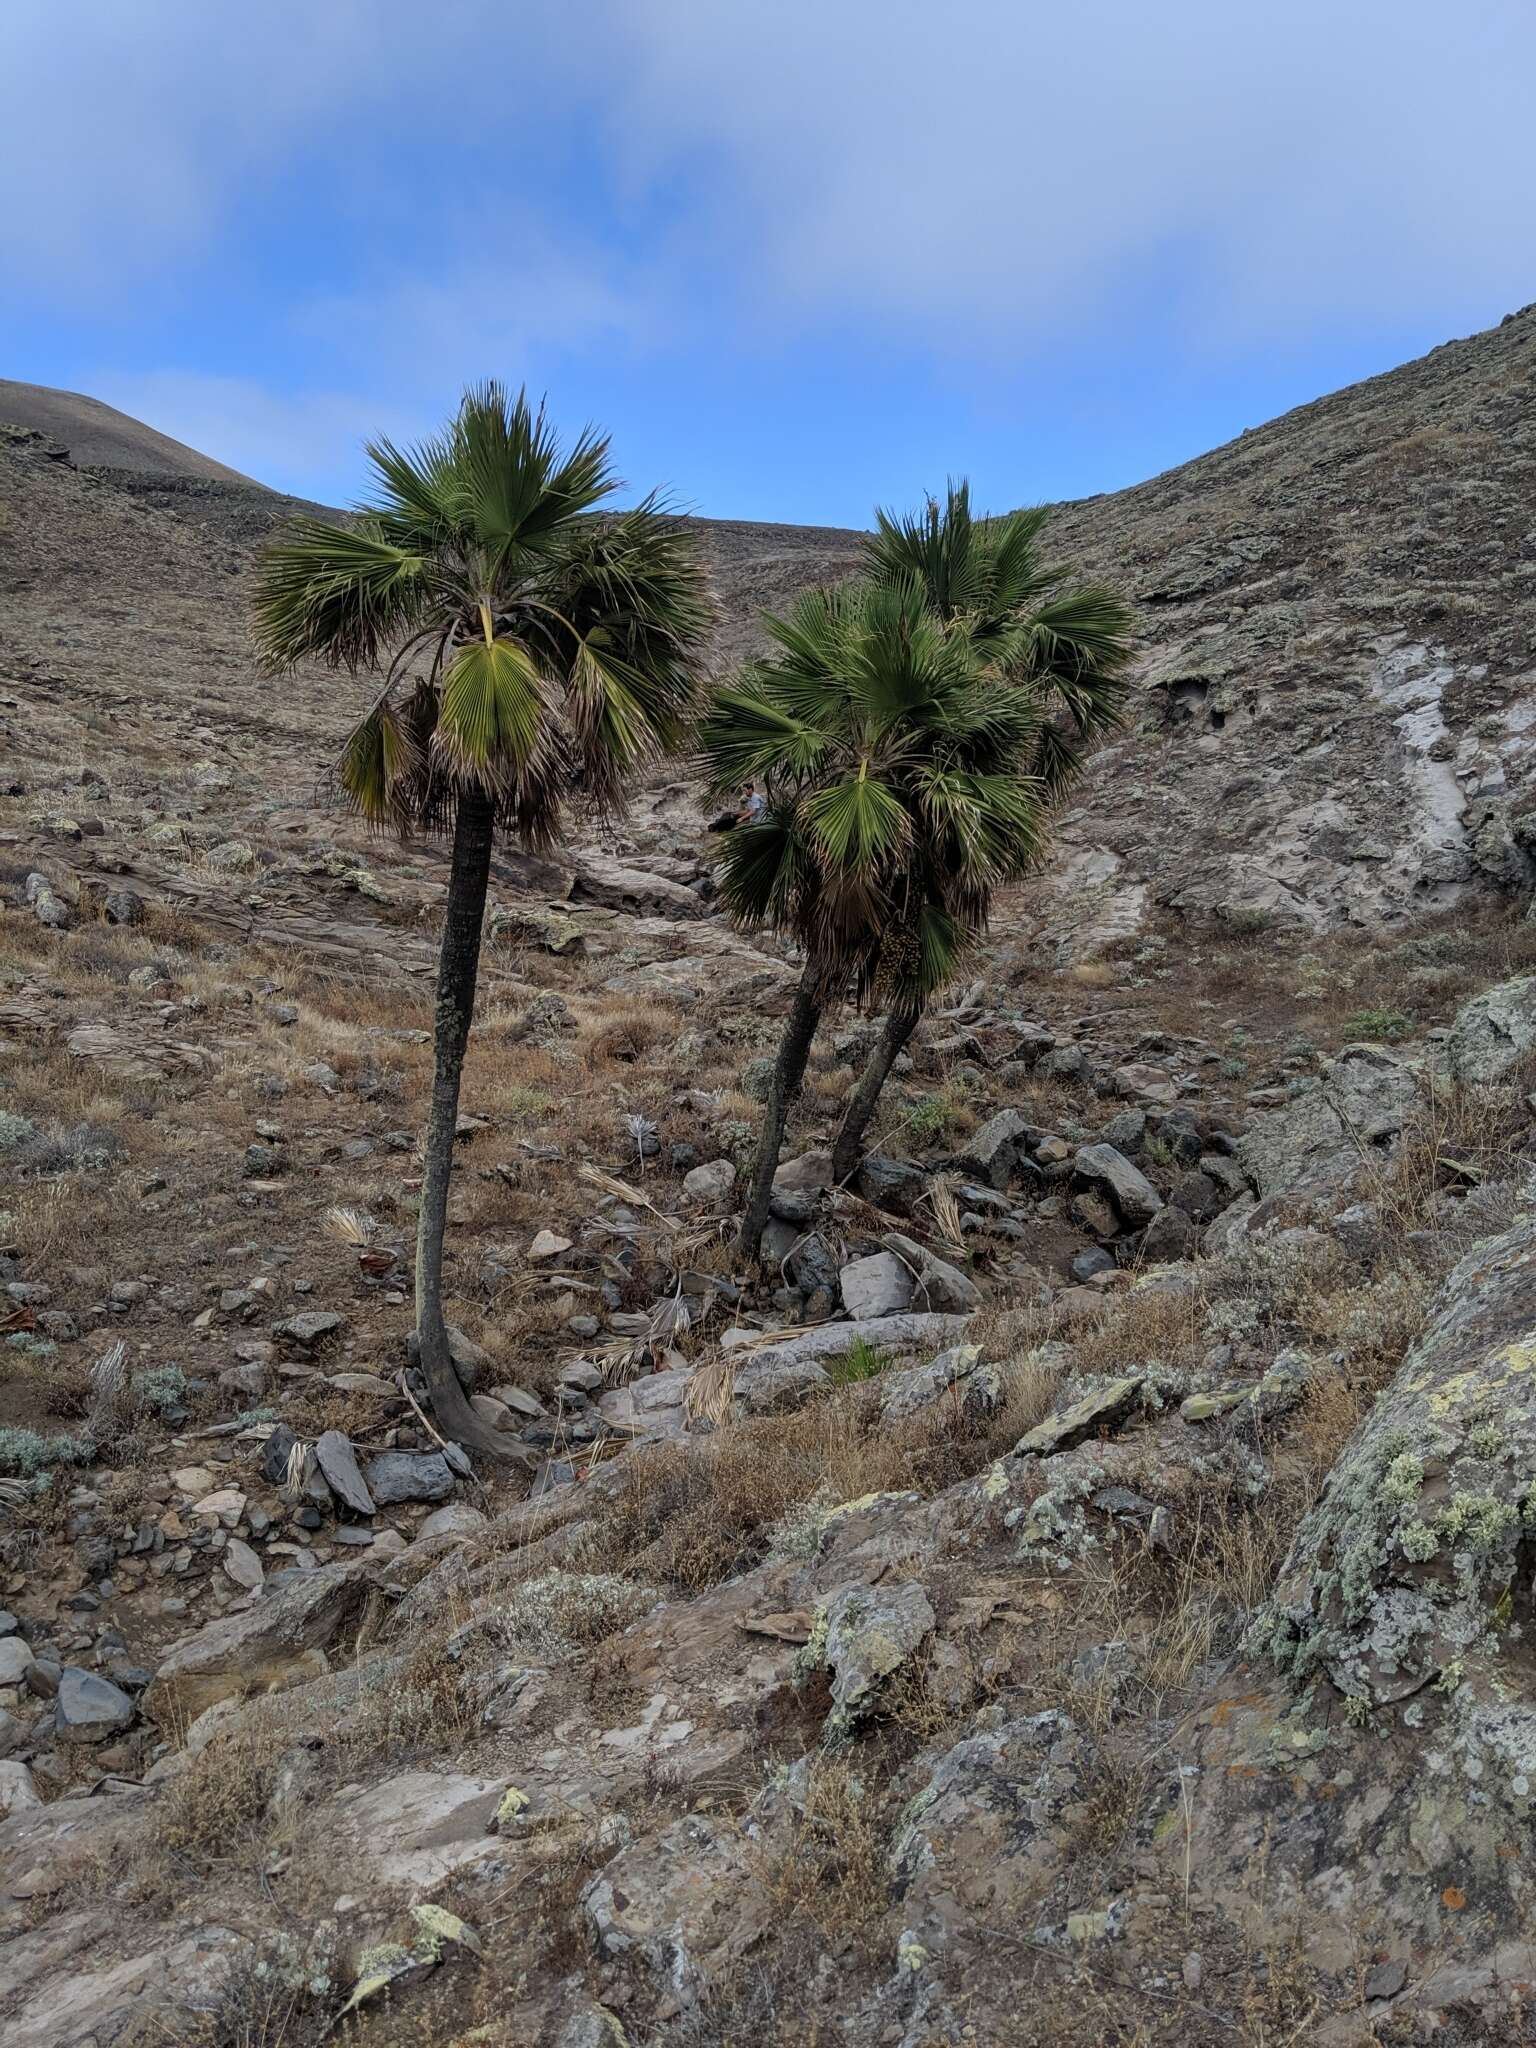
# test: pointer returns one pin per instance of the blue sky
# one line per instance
(799, 258)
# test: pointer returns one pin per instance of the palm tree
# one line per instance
(532, 650)
(1067, 645)
(899, 793)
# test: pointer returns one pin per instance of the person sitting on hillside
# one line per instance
(749, 806)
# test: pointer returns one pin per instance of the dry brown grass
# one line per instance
(692, 1514)
(222, 1799)
(827, 1871)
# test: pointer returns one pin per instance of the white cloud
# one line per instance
(1003, 170)
(977, 180)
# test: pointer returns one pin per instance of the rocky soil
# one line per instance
(1082, 1594)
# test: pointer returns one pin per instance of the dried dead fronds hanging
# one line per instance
(709, 1394)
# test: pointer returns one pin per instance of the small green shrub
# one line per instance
(159, 1388)
(1249, 919)
(521, 1100)
(1389, 1027)
(861, 1361)
(31, 1346)
(62, 1148)
(15, 1131)
(27, 1453)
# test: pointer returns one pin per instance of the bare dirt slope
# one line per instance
(99, 436)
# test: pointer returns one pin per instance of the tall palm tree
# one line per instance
(531, 650)
(896, 765)
(1067, 644)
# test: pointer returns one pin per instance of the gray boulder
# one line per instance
(1133, 1195)
(879, 1285)
(16, 1660)
(771, 1384)
(1493, 1032)
(90, 1708)
(395, 1476)
(1349, 1116)
(888, 1334)
(280, 1637)
(338, 1464)
(457, 1519)
(997, 1152)
(18, 1792)
(47, 907)
(895, 1185)
(1170, 1235)
(308, 1327)
(936, 1283)
(711, 1183)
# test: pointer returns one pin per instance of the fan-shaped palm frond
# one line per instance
(561, 644)
(1071, 643)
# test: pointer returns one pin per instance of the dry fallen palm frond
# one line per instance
(108, 1374)
(350, 1226)
(293, 1478)
(709, 1394)
(623, 1192)
(945, 1205)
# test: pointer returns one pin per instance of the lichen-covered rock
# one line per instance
(1099, 1408)
(862, 1635)
(1349, 1116)
(957, 1375)
(987, 1833)
(685, 1904)
(1493, 1032)
(1413, 1566)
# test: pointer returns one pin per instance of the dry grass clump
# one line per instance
(689, 1515)
(626, 1033)
(1462, 1138)
(1140, 1328)
(223, 1798)
(828, 1871)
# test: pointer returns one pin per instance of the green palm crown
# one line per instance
(532, 646)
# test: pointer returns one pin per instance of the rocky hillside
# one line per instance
(1340, 611)
(1079, 1594)
(1340, 621)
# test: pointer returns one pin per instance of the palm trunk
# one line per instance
(847, 1152)
(783, 1089)
(457, 972)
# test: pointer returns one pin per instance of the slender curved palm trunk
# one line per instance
(458, 970)
(783, 1089)
(847, 1147)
